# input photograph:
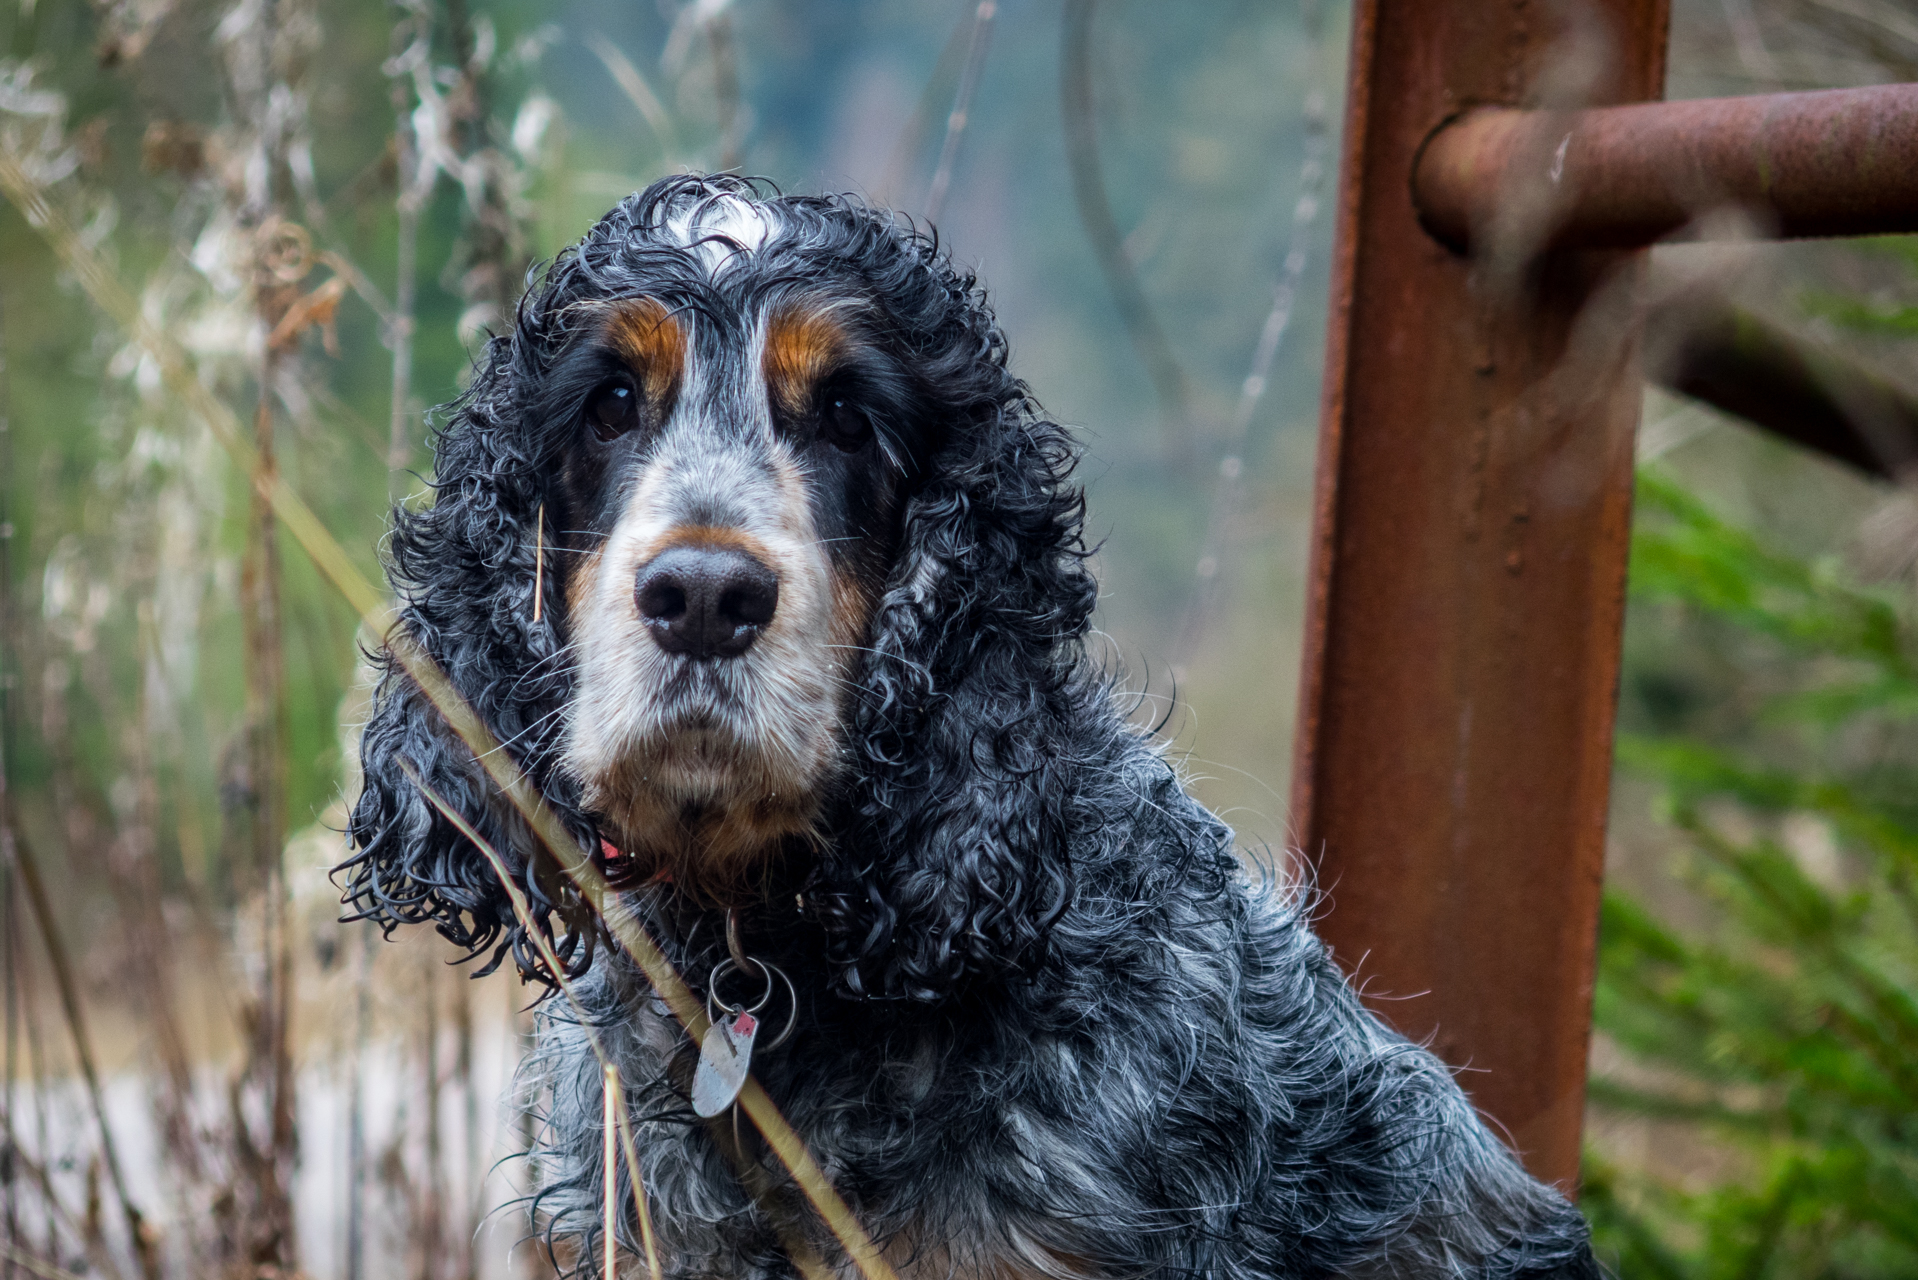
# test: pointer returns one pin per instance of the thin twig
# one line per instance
(719, 34)
(667, 982)
(640, 1205)
(38, 1266)
(539, 561)
(356, 1108)
(1102, 230)
(1229, 488)
(634, 86)
(609, 1089)
(29, 872)
(407, 205)
(939, 84)
(9, 909)
(961, 108)
(57, 1212)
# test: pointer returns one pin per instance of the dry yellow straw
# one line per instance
(608, 1090)
(639, 1190)
(330, 558)
(798, 1251)
(539, 561)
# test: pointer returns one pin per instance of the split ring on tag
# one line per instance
(726, 968)
(726, 1050)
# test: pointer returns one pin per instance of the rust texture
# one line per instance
(1841, 162)
(1473, 514)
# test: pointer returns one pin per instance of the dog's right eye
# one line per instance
(613, 409)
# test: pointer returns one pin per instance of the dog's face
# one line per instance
(735, 445)
(745, 540)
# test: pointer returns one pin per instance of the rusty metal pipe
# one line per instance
(1842, 162)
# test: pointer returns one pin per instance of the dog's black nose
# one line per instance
(706, 601)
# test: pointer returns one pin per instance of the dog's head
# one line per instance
(753, 553)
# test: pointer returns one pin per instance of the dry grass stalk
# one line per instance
(732, 115)
(59, 959)
(411, 35)
(612, 1098)
(678, 996)
(961, 112)
(641, 1208)
(634, 86)
(940, 86)
(356, 1105)
(9, 908)
(1102, 229)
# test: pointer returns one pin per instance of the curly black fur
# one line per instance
(1046, 1024)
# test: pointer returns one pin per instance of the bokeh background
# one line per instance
(327, 203)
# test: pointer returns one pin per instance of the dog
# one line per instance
(767, 571)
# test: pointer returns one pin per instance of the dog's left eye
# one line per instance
(844, 424)
(613, 409)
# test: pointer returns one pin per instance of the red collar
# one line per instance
(611, 854)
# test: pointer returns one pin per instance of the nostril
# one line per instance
(706, 601)
(661, 598)
(750, 598)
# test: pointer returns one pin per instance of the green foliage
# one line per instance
(1783, 1032)
(1883, 317)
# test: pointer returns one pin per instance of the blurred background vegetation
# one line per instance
(327, 203)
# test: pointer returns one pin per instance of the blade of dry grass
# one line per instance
(28, 868)
(1102, 229)
(796, 1249)
(961, 112)
(97, 1256)
(356, 1107)
(39, 1266)
(9, 907)
(610, 1090)
(640, 1207)
(408, 203)
(634, 86)
(939, 84)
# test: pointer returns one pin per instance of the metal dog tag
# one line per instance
(725, 1056)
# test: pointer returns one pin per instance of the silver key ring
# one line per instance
(726, 968)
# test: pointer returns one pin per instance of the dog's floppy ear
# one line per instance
(951, 858)
(464, 570)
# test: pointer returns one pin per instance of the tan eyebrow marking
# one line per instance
(649, 338)
(803, 345)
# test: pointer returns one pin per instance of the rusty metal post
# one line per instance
(1473, 513)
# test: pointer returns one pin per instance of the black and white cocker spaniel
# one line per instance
(769, 573)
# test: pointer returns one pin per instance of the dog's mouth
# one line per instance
(713, 778)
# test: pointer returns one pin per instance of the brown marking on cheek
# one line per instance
(651, 341)
(803, 346)
(852, 603)
(581, 579)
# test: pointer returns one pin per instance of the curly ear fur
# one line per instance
(463, 568)
(950, 858)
